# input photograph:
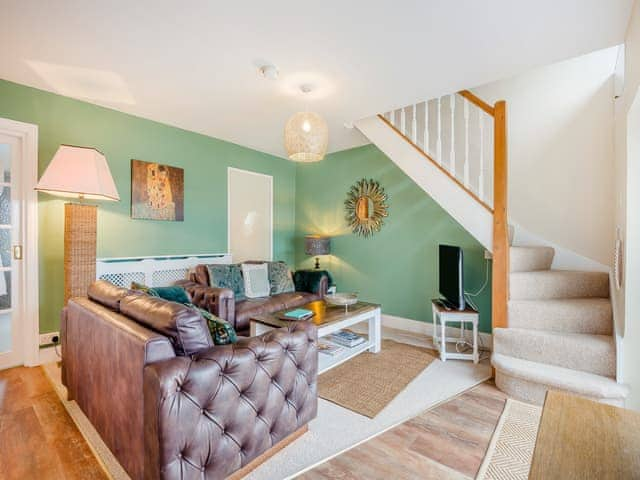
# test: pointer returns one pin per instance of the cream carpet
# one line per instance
(367, 383)
(511, 449)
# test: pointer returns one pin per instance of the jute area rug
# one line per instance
(370, 381)
(511, 449)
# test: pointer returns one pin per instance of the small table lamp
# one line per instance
(317, 245)
(83, 173)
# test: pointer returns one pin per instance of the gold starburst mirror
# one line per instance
(366, 207)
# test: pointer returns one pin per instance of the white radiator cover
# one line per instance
(155, 271)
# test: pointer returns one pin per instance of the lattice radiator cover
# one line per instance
(159, 271)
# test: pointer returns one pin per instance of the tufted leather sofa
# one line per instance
(222, 303)
(170, 405)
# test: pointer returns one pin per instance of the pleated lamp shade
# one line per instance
(79, 172)
(306, 137)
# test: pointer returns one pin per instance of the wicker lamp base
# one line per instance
(80, 233)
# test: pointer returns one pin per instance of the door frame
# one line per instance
(271, 212)
(27, 135)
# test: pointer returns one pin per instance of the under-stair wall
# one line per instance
(455, 149)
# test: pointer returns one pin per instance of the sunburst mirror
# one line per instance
(366, 207)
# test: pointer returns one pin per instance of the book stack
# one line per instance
(346, 338)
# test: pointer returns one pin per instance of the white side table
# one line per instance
(442, 316)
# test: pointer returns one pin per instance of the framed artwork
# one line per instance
(157, 191)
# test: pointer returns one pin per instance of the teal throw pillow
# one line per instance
(173, 294)
(227, 276)
(280, 278)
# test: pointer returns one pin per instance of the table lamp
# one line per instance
(82, 173)
(317, 245)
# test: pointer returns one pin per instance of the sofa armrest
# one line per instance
(223, 407)
(219, 301)
(312, 281)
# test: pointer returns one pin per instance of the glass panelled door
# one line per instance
(11, 341)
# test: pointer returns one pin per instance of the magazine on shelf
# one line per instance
(329, 348)
(346, 338)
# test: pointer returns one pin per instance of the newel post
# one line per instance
(500, 279)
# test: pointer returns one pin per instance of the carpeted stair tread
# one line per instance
(588, 353)
(530, 259)
(569, 315)
(549, 284)
(533, 379)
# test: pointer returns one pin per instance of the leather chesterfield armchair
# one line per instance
(171, 405)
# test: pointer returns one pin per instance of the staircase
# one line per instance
(560, 333)
(551, 328)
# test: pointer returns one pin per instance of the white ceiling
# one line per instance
(194, 64)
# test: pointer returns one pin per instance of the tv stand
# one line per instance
(443, 315)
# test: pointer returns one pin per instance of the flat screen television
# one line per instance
(451, 283)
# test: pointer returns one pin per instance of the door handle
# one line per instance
(17, 252)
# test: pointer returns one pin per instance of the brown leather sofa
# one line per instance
(221, 301)
(166, 401)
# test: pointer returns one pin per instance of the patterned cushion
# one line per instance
(227, 276)
(280, 278)
(222, 332)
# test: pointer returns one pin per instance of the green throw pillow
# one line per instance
(227, 276)
(280, 278)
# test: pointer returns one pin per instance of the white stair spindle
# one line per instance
(466, 142)
(426, 127)
(414, 125)
(452, 155)
(391, 119)
(403, 122)
(481, 175)
(439, 138)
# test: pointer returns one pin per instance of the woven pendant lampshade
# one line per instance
(306, 137)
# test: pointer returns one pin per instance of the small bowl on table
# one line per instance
(342, 299)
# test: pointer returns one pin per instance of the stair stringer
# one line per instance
(467, 211)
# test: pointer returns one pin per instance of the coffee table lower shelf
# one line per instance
(327, 362)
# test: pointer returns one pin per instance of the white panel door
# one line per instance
(250, 215)
(11, 341)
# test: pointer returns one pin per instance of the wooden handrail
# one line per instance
(500, 271)
(478, 102)
(436, 164)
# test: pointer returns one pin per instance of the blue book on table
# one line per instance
(298, 314)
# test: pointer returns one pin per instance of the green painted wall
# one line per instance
(123, 137)
(397, 267)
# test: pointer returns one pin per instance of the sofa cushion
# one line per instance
(185, 328)
(280, 278)
(256, 280)
(227, 276)
(107, 294)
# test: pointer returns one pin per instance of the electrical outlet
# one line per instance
(50, 338)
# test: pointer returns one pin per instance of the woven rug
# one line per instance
(511, 449)
(370, 381)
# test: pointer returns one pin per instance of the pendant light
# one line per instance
(306, 135)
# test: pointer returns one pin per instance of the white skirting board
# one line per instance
(48, 355)
(426, 328)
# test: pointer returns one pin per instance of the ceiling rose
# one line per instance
(306, 135)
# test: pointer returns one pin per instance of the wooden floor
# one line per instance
(38, 439)
(447, 442)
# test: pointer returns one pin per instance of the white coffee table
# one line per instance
(330, 319)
